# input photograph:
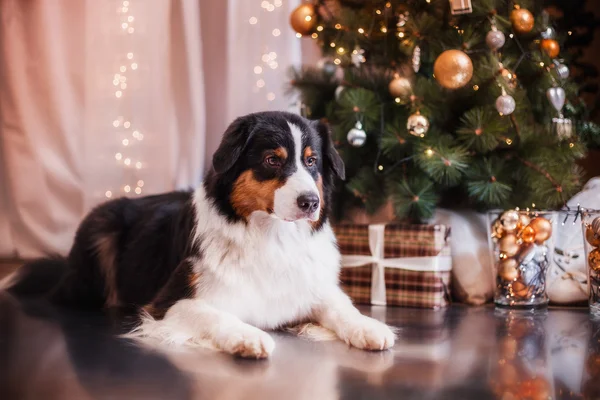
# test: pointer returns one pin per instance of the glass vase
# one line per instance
(520, 245)
(591, 235)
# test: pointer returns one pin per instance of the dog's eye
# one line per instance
(310, 161)
(273, 161)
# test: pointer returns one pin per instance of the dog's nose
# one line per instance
(308, 202)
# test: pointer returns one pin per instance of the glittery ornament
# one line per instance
(592, 236)
(357, 136)
(522, 20)
(594, 260)
(303, 19)
(417, 124)
(453, 69)
(510, 220)
(495, 39)
(509, 246)
(528, 234)
(542, 228)
(505, 104)
(416, 58)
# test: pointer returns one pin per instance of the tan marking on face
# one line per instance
(321, 202)
(281, 152)
(106, 252)
(307, 152)
(249, 195)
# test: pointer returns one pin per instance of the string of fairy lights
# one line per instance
(268, 60)
(128, 135)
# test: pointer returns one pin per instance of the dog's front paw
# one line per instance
(369, 334)
(249, 342)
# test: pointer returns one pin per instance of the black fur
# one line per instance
(147, 243)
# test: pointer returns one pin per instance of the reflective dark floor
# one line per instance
(459, 353)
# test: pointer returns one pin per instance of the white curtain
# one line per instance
(100, 99)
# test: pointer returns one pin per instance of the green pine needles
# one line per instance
(471, 155)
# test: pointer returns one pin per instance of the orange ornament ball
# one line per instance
(453, 69)
(542, 228)
(508, 269)
(528, 234)
(550, 47)
(522, 20)
(303, 19)
(509, 245)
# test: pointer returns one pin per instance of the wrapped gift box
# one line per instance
(396, 264)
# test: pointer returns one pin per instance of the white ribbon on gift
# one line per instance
(376, 245)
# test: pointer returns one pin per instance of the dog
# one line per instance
(251, 249)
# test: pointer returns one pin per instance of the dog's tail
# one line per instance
(37, 278)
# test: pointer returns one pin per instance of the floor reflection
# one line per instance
(460, 353)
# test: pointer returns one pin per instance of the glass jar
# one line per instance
(520, 244)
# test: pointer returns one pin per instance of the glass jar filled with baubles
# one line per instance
(591, 233)
(520, 246)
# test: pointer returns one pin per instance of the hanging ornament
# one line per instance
(453, 69)
(509, 220)
(357, 136)
(556, 96)
(495, 39)
(592, 233)
(416, 58)
(461, 7)
(505, 103)
(417, 124)
(522, 20)
(358, 56)
(509, 77)
(548, 33)
(338, 92)
(303, 19)
(550, 47)
(562, 128)
(562, 71)
(400, 87)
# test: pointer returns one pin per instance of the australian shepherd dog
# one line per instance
(251, 249)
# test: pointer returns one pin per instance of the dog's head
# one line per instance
(276, 163)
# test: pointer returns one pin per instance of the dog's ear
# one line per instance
(235, 139)
(332, 158)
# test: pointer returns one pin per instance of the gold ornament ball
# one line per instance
(524, 220)
(551, 47)
(528, 234)
(594, 260)
(510, 220)
(510, 77)
(508, 269)
(453, 69)
(400, 87)
(522, 21)
(509, 245)
(497, 229)
(542, 228)
(520, 289)
(303, 19)
(592, 236)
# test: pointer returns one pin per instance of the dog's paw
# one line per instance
(249, 342)
(369, 334)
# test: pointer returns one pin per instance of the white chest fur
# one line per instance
(267, 272)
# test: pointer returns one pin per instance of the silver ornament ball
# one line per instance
(495, 39)
(562, 71)
(357, 136)
(505, 104)
(417, 125)
(548, 33)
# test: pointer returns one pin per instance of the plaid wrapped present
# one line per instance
(397, 265)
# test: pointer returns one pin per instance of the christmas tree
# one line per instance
(461, 103)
